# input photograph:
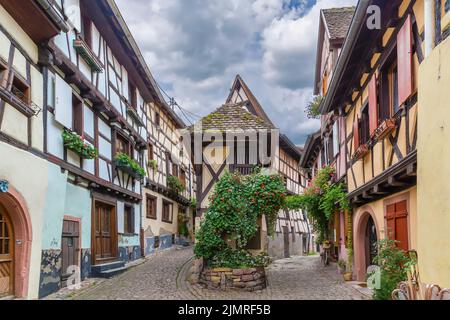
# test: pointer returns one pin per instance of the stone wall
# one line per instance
(252, 279)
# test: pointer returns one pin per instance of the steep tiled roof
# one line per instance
(231, 117)
(338, 21)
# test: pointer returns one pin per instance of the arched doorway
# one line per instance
(371, 248)
(6, 255)
(15, 256)
(365, 241)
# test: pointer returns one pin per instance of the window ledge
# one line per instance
(28, 110)
(86, 53)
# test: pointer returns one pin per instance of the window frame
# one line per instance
(163, 217)
(23, 83)
(128, 219)
(154, 200)
(120, 137)
(364, 125)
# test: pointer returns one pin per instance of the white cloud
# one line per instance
(196, 48)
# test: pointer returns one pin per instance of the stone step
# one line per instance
(96, 270)
(112, 272)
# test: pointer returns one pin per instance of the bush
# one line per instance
(235, 206)
(175, 184)
(393, 263)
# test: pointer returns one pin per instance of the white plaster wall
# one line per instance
(28, 175)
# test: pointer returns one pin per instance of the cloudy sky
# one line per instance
(196, 47)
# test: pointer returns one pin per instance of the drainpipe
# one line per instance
(429, 12)
(54, 15)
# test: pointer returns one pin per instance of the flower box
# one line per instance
(124, 163)
(77, 144)
(384, 129)
(360, 152)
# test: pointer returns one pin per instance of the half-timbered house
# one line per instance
(24, 178)
(169, 211)
(374, 91)
(333, 28)
(237, 137)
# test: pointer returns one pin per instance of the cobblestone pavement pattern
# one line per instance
(163, 276)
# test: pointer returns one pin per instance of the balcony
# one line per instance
(86, 53)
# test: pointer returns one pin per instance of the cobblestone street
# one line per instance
(163, 277)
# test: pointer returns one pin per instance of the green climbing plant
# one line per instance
(231, 219)
(321, 201)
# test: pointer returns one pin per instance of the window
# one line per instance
(397, 223)
(150, 152)
(183, 177)
(151, 207)
(157, 119)
(21, 89)
(122, 145)
(389, 97)
(133, 95)
(128, 220)
(364, 132)
(87, 30)
(3, 75)
(174, 170)
(167, 213)
(77, 118)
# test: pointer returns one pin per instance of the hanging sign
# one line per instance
(4, 186)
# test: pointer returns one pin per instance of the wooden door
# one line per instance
(6, 256)
(70, 248)
(397, 224)
(105, 241)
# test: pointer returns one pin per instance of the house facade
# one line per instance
(237, 137)
(375, 102)
(81, 121)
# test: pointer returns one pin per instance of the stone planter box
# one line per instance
(252, 279)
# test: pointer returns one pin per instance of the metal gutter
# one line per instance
(54, 15)
(349, 44)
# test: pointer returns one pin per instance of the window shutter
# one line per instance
(356, 133)
(373, 105)
(404, 56)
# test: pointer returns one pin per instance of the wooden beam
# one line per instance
(411, 170)
(366, 195)
(395, 183)
(378, 190)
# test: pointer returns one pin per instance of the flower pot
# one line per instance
(348, 276)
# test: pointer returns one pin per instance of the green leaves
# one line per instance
(123, 159)
(175, 184)
(321, 201)
(78, 145)
(235, 206)
(393, 263)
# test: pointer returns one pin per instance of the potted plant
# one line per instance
(128, 165)
(175, 184)
(78, 144)
(342, 265)
(153, 164)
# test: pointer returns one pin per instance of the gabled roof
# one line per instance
(254, 107)
(232, 117)
(287, 145)
(310, 149)
(337, 21)
(333, 25)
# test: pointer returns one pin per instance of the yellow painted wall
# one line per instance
(434, 167)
